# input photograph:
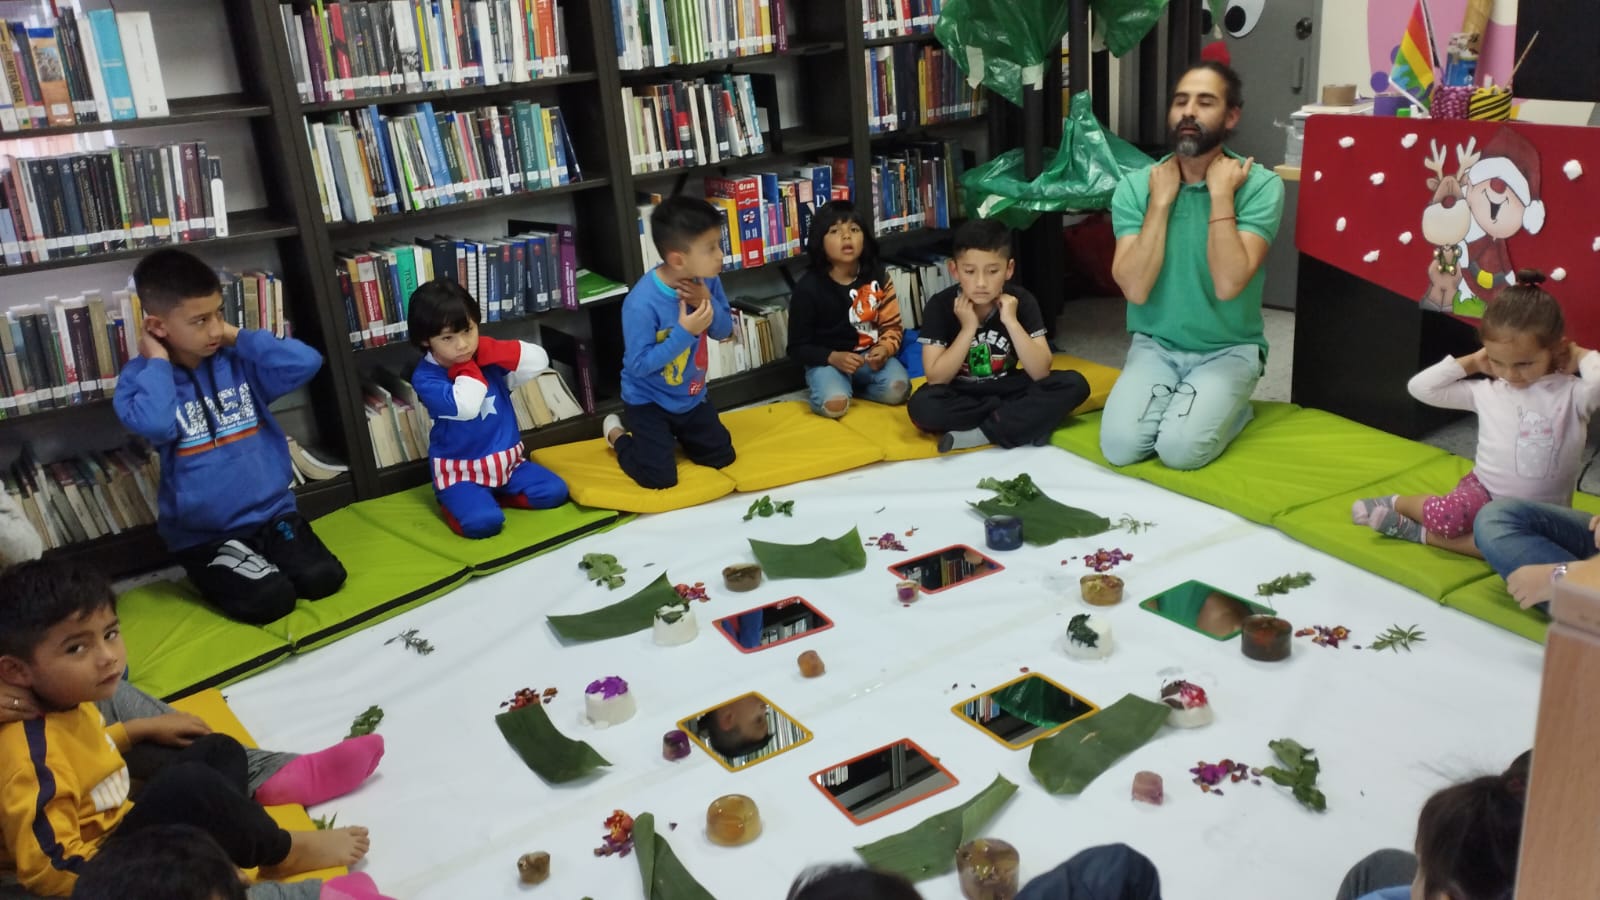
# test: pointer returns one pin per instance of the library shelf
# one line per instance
(244, 226)
(183, 111)
(456, 96)
(347, 230)
(920, 37)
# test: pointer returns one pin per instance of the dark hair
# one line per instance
(165, 862)
(1233, 96)
(168, 277)
(680, 219)
(982, 234)
(38, 595)
(837, 212)
(437, 305)
(1468, 835)
(728, 741)
(1524, 308)
(848, 882)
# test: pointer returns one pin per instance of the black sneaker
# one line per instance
(291, 545)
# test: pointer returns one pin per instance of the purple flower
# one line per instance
(608, 687)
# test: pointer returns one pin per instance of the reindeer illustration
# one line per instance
(1445, 223)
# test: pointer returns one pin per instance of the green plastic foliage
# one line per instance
(1082, 175)
(1006, 41)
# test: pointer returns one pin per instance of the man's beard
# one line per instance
(1196, 144)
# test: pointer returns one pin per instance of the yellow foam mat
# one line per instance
(210, 706)
(782, 443)
(592, 475)
(891, 430)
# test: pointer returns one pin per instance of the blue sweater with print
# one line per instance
(662, 363)
(225, 467)
(473, 419)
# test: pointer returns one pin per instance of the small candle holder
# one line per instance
(742, 577)
(1002, 532)
(1266, 638)
(906, 591)
(1101, 590)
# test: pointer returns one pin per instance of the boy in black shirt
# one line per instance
(985, 354)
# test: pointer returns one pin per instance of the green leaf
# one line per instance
(1283, 584)
(822, 558)
(1301, 773)
(602, 568)
(1066, 762)
(929, 849)
(1013, 491)
(664, 876)
(550, 754)
(366, 723)
(633, 614)
(1044, 521)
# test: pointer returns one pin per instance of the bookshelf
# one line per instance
(813, 92)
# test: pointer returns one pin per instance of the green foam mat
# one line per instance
(1080, 436)
(1488, 600)
(178, 645)
(1430, 571)
(1290, 458)
(413, 516)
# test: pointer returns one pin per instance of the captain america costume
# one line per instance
(475, 448)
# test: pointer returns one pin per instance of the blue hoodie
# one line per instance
(662, 363)
(225, 467)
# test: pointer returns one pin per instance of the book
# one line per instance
(142, 64)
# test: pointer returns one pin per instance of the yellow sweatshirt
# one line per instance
(63, 788)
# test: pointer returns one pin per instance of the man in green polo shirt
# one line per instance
(1192, 233)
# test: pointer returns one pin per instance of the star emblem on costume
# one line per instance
(487, 409)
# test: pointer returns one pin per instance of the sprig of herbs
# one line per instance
(1078, 630)
(1012, 491)
(324, 823)
(366, 723)
(1283, 584)
(1298, 773)
(766, 507)
(1131, 525)
(1397, 639)
(411, 641)
(602, 568)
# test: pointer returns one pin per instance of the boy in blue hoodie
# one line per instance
(199, 393)
(665, 321)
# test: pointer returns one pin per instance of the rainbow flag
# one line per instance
(1413, 64)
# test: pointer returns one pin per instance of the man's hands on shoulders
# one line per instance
(1225, 175)
(1165, 179)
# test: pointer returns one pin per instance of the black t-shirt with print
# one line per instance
(991, 354)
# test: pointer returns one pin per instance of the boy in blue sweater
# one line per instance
(665, 321)
(465, 381)
(199, 393)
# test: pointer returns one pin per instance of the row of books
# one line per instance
(917, 275)
(399, 424)
(916, 187)
(533, 270)
(80, 204)
(893, 18)
(767, 216)
(87, 496)
(910, 85)
(66, 351)
(651, 33)
(369, 164)
(350, 50)
(71, 71)
(760, 336)
(679, 124)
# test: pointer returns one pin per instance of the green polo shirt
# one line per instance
(1183, 312)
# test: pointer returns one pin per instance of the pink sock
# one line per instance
(355, 886)
(321, 776)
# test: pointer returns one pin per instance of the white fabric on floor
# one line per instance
(452, 807)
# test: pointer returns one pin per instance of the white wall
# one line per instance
(1344, 56)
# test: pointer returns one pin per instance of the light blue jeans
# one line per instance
(889, 385)
(1183, 407)
(1515, 533)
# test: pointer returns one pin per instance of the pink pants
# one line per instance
(1451, 515)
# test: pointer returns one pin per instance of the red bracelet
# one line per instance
(1224, 219)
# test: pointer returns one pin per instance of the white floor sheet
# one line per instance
(452, 807)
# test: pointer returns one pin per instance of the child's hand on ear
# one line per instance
(150, 346)
(230, 334)
(1476, 362)
(1572, 354)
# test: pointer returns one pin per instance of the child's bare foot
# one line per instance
(312, 850)
(612, 426)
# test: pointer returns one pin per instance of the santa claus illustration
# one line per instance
(1503, 194)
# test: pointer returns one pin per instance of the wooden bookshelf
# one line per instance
(245, 226)
(183, 111)
(921, 37)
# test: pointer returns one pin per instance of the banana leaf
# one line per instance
(1044, 521)
(929, 849)
(664, 876)
(1068, 761)
(822, 558)
(550, 754)
(633, 614)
